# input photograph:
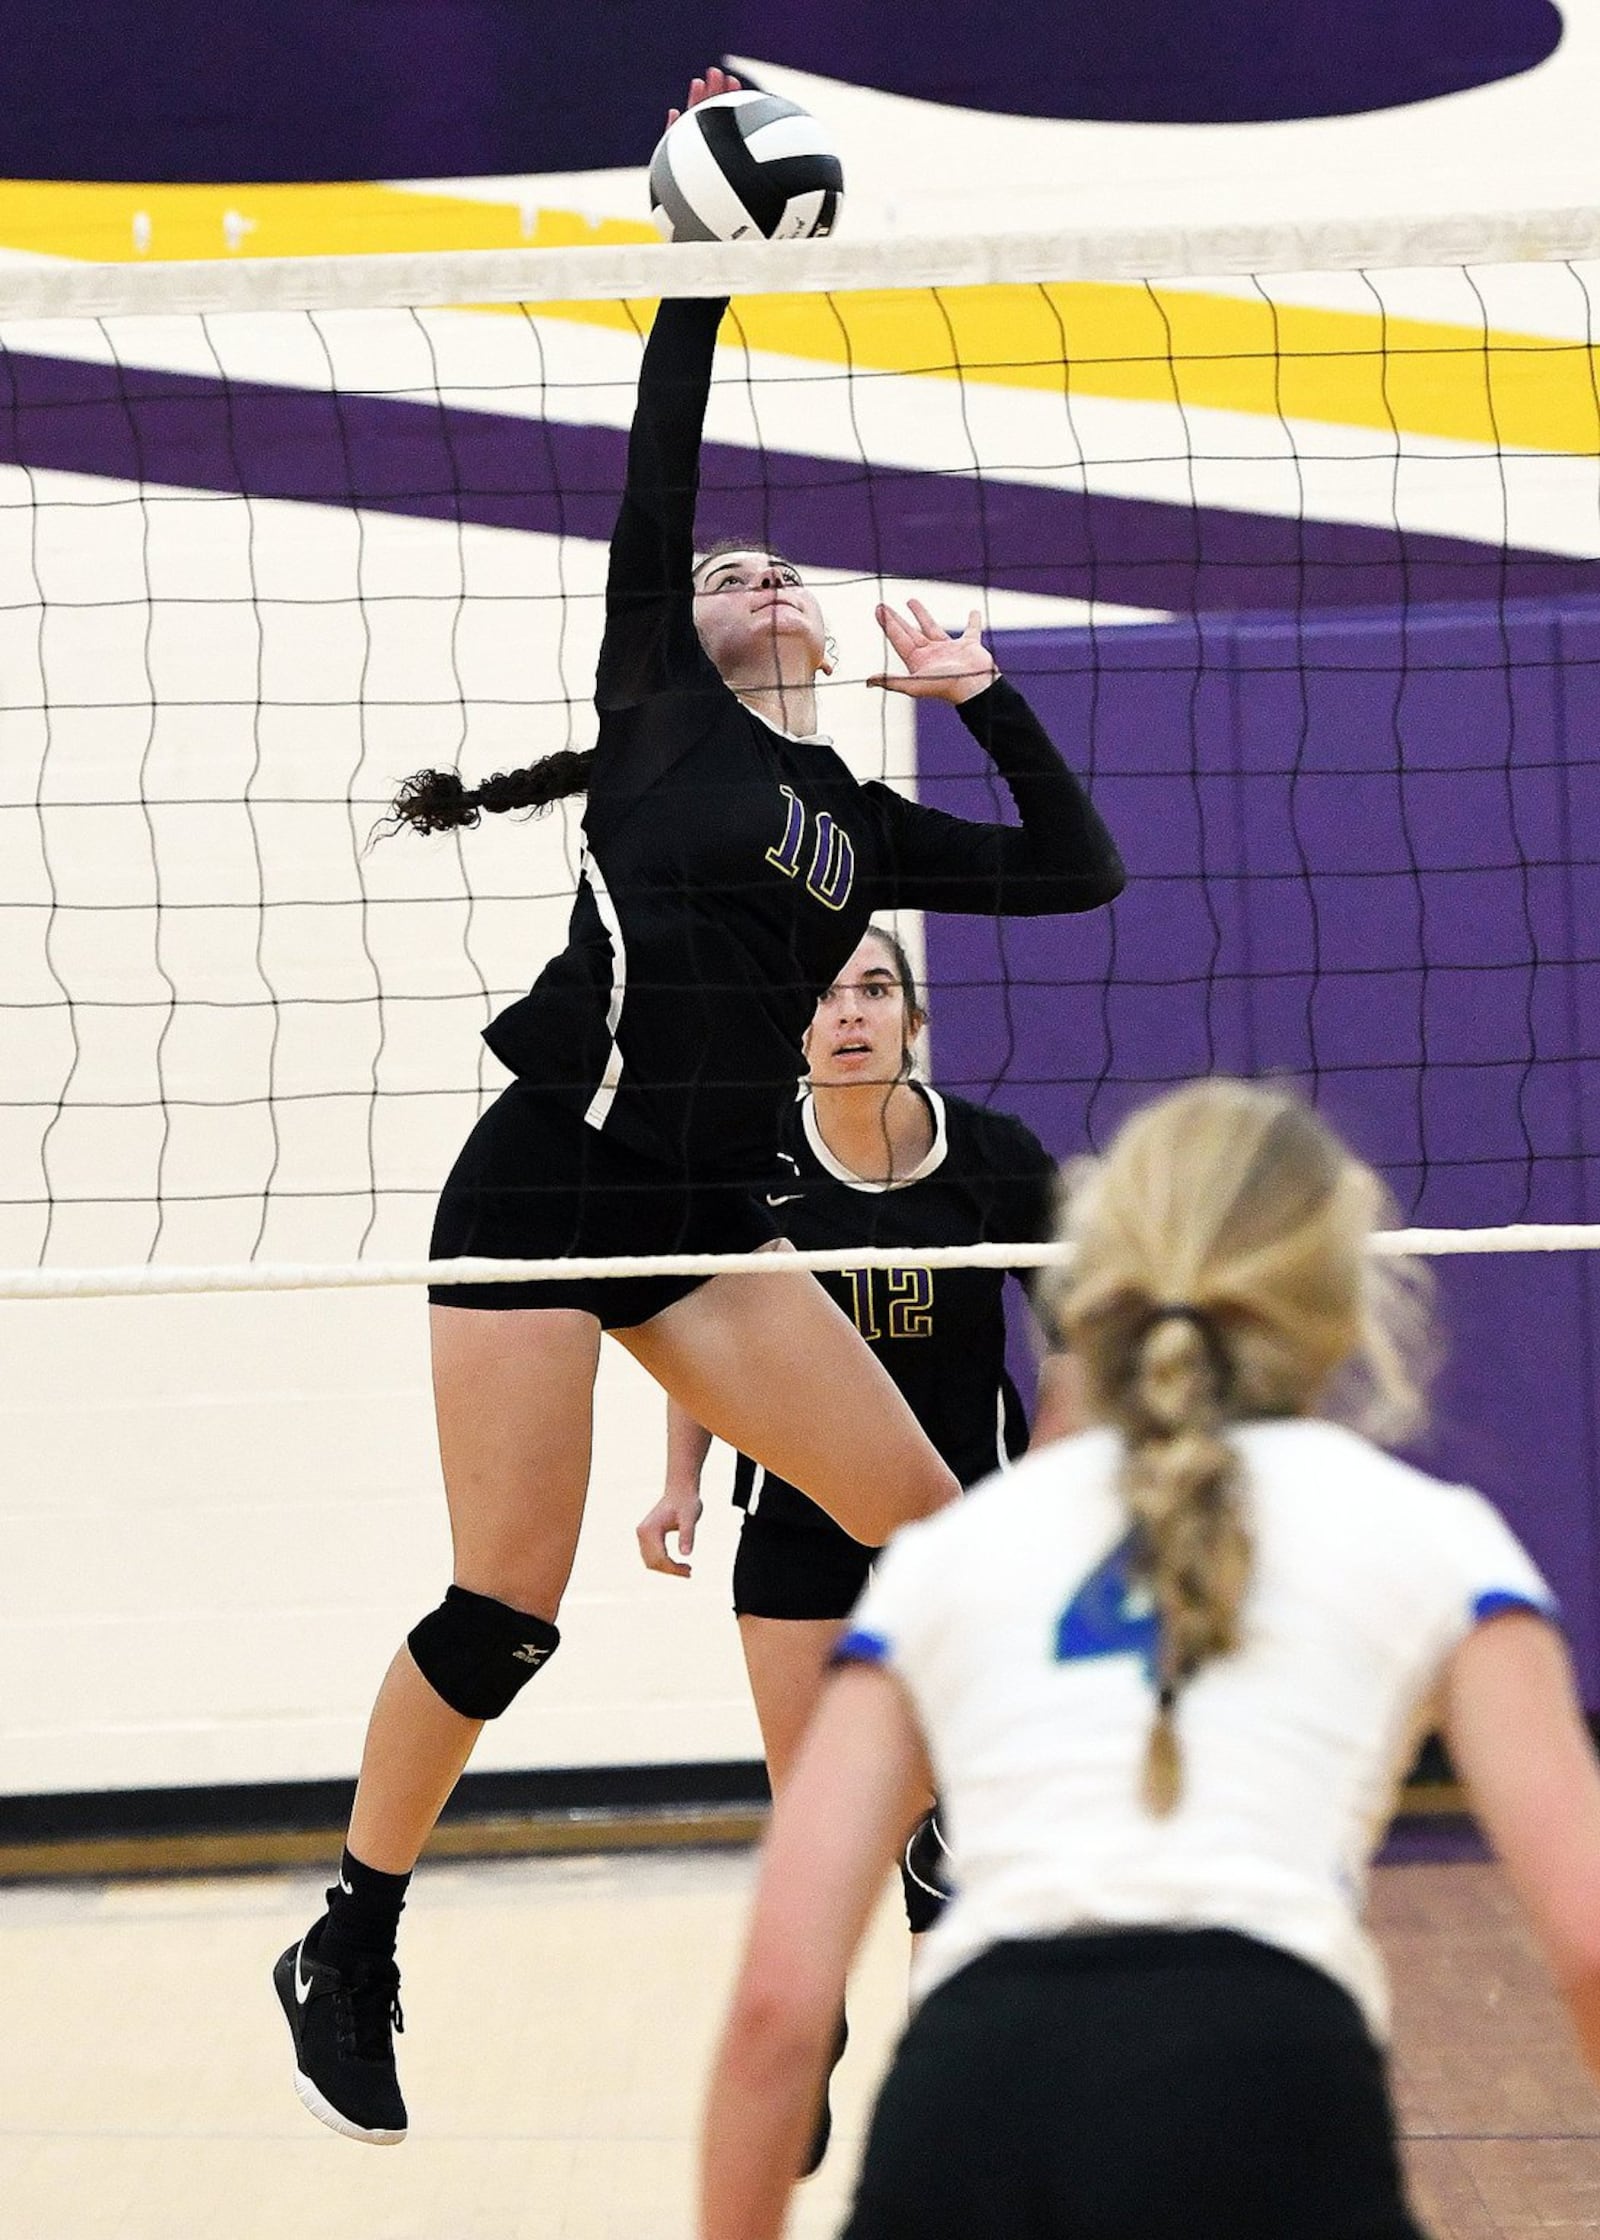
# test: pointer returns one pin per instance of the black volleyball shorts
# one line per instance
(1162, 2084)
(797, 1563)
(535, 1182)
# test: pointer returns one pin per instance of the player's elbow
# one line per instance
(779, 2018)
(1571, 1938)
(1106, 884)
(1576, 1968)
(1109, 874)
(1070, 892)
(1558, 1873)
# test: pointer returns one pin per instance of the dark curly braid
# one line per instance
(437, 801)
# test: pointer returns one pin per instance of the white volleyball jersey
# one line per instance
(1011, 1621)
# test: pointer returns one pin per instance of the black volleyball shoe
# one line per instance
(341, 2021)
(824, 2130)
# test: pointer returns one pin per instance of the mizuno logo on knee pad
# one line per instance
(476, 1653)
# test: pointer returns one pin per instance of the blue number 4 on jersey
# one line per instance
(1111, 1615)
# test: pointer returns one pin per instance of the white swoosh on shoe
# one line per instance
(302, 1984)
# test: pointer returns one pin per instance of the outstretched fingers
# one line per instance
(939, 664)
(898, 631)
(707, 88)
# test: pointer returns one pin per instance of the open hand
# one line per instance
(675, 1513)
(939, 665)
(714, 82)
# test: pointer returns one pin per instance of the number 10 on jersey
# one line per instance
(833, 860)
(907, 1297)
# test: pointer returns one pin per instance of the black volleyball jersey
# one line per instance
(940, 1332)
(730, 869)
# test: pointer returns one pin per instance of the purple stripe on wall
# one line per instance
(405, 89)
(1363, 852)
(340, 89)
(1159, 61)
(397, 456)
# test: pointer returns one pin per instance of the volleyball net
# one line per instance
(1293, 537)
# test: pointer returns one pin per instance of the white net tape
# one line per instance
(364, 1275)
(50, 290)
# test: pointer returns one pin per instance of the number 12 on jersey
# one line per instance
(907, 1294)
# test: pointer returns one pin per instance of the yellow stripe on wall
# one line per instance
(1074, 339)
(1081, 339)
(126, 224)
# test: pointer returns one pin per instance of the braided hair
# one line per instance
(439, 801)
(1220, 1272)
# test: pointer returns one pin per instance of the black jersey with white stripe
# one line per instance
(730, 869)
(940, 1332)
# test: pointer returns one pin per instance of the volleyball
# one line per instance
(742, 166)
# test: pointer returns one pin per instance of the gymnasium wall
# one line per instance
(1362, 857)
(250, 577)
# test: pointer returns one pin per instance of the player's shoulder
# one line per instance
(1315, 1449)
(796, 1152)
(994, 1139)
(1307, 1459)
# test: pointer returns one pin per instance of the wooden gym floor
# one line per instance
(559, 2015)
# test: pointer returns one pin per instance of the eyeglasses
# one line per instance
(739, 580)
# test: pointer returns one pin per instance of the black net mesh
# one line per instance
(1300, 574)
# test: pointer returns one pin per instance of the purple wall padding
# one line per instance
(1363, 852)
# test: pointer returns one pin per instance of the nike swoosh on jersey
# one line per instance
(788, 1198)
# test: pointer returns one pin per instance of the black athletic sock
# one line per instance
(363, 1913)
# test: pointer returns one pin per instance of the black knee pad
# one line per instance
(925, 1874)
(476, 1653)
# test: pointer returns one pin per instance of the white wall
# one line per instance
(221, 1514)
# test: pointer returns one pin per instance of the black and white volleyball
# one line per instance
(742, 166)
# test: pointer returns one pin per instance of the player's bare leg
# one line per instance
(769, 1364)
(513, 1394)
(514, 1398)
(787, 1661)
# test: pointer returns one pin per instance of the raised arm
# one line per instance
(650, 644)
(1061, 858)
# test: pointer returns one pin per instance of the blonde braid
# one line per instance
(1221, 1271)
(1180, 1484)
